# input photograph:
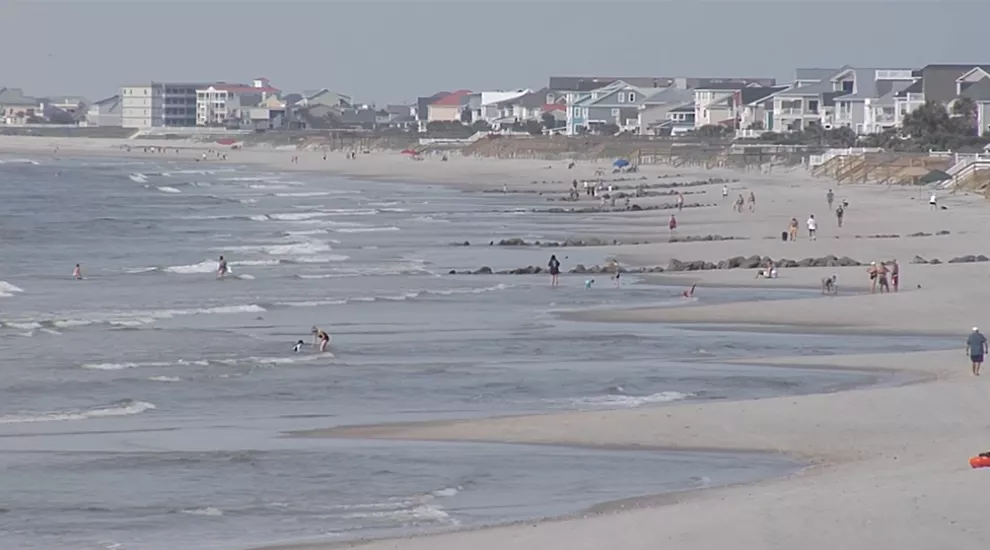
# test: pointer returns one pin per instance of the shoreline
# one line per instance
(888, 457)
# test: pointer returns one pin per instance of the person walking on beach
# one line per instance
(680, 202)
(933, 201)
(839, 213)
(725, 192)
(895, 274)
(872, 272)
(830, 198)
(672, 224)
(752, 201)
(812, 228)
(221, 268)
(976, 347)
(77, 273)
(792, 229)
(554, 266)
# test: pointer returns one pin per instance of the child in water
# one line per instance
(77, 273)
(588, 283)
(298, 347)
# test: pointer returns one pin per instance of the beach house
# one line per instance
(220, 103)
(714, 103)
(652, 117)
(868, 104)
(17, 108)
(105, 112)
(615, 104)
(449, 107)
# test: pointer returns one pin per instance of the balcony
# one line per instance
(789, 111)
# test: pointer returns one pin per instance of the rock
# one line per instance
(751, 262)
(982, 258)
(846, 261)
(934, 261)
(944, 232)
(675, 265)
(920, 234)
(919, 260)
(483, 270)
(512, 242)
(963, 259)
(579, 268)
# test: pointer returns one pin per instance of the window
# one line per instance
(622, 98)
(550, 98)
(632, 97)
(584, 112)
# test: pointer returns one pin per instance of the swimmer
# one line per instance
(77, 273)
(324, 340)
(221, 267)
(689, 293)
(316, 336)
(299, 346)
(588, 283)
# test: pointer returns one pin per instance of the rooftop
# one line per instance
(452, 99)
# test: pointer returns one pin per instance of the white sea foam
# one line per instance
(167, 189)
(26, 325)
(20, 161)
(410, 295)
(146, 364)
(366, 229)
(9, 289)
(136, 270)
(628, 401)
(165, 379)
(423, 513)
(428, 219)
(206, 266)
(208, 511)
(304, 194)
(138, 178)
(300, 248)
(120, 408)
(140, 317)
(324, 259)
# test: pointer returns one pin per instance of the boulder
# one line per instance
(919, 260)
(675, 265)
(963, 259)
(934, 261)
(943, 232)
(579, 268)
(483, 270)
(512, 242)
(982, 258)
(751, 262)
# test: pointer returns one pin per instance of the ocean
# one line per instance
(143, 407)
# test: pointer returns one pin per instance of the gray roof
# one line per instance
(915, 88)
(531, 100)
(15, 96)
(753, 94)
(664, 96)
(868, 87)
(814, 74)
(978, 91)
(722, 86)
(588, 83)
(689, 108)
(107, 100)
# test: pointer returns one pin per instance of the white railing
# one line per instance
(750, 134)
(964, 160)
(818, 160)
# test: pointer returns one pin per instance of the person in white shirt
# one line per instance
(812, 228)
(933, 201)
(725, 191)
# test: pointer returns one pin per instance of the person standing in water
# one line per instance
(221, 267)
(672, 224)
(554, 266)
(616, 271)
(895, 275)
(324, 340)
(77, 273)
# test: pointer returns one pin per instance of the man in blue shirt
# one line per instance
(976, 346)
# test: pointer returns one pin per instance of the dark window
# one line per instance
(847, 86)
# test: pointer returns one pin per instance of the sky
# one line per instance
(393, 51)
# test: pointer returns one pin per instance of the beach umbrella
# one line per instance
(409, 152)
(935, 176)
(620, 163)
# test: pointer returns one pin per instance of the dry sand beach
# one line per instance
(889, 465)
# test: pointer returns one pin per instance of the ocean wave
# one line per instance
(366, 229)
(165, 379)
(167, 189)
(209, 511)
(157, 364)
(422, 513)
(206, 266)
(277, 360)
(324, 259)
(120, 408)
(410, 295)
(428, 219)
(304, 194)
(128, 318)
(138, 177)
(300, 248)
(8, 290)
(20, 161)
(619, 401)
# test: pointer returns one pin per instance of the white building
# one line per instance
(157, 104)
(221, 103)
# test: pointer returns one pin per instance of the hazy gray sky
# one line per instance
(381, 51)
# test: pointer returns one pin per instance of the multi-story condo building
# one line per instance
(158, 104)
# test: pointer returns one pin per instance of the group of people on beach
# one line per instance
(879, 273)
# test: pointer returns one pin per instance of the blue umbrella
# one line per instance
(620, 163)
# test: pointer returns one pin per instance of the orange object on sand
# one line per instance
(980, 462)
